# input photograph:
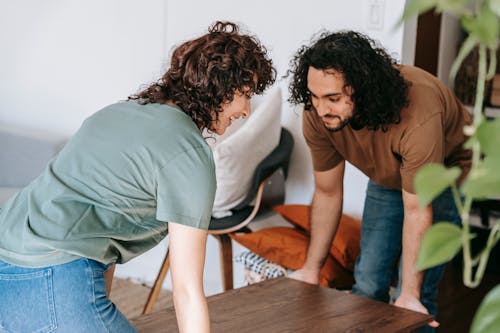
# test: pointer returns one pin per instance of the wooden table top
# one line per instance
(286, 305)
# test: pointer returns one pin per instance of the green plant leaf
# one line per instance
(470, 142)
(484, 27)
(495, 6)
(432, 179)
(440, 244)
(484, 181)
(452, 6)
(488, 134)
(468, 23)
(415, 7)
(489, 27)
(487, 318)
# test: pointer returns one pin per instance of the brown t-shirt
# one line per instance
(431, 130)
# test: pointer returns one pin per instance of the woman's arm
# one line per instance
(187, 258)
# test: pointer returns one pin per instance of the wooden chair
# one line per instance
(275, 163)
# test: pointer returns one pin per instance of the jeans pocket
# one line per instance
(27, 302)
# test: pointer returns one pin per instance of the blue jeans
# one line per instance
(381, 243)
(64, 298)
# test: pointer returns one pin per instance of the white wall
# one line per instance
(62, 60)
(449, 43)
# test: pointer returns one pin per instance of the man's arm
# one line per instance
(187, 258)
(325, 216)
(416, 222)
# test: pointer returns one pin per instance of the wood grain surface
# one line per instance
(286, 305)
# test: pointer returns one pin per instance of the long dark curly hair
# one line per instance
(380, 91)
(206, 71)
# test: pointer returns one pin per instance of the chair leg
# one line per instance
(155, 291)
(226, 259)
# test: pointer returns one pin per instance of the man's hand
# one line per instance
(416, 222)
(412, 303)
(306, 275)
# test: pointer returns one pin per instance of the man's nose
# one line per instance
(321, 109)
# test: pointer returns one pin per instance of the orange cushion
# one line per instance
(345, 246)
(287, 247)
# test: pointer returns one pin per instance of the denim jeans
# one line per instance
(64, 298)
(381, 243)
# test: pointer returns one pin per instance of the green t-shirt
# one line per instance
(108, 194)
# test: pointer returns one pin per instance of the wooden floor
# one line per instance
(130, 297)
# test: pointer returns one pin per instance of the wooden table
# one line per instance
(286, 305)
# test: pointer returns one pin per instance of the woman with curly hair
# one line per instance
(134, 171)
(388, 120)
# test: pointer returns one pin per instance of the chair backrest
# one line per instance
(242, 214)
(279, 158)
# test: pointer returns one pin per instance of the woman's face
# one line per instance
(238, 107)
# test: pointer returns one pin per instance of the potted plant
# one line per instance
(480, 20)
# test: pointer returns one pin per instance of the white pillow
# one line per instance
(237, 156)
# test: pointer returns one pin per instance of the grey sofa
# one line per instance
(24, 153)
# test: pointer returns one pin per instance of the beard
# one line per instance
(341, 125)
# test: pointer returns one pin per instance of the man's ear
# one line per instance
(348, 90)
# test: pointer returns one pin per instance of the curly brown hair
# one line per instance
(380, 91)
(205, 72)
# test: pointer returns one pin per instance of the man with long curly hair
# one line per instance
(387, 120)
(134, 171)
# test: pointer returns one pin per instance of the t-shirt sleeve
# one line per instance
(186, 189)
(421, 146)
(323, 153)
